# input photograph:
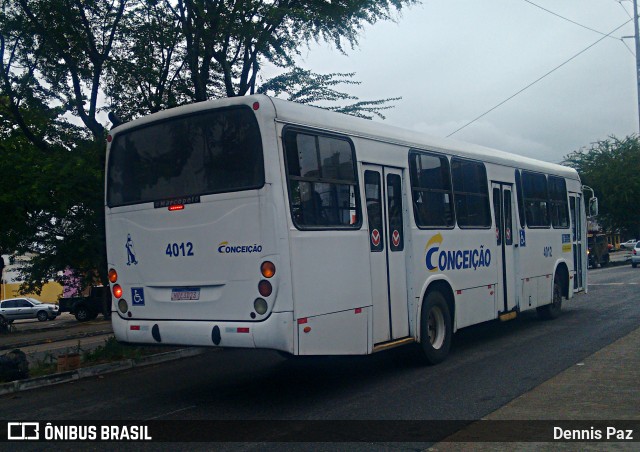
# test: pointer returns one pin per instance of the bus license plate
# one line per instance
(185, 294)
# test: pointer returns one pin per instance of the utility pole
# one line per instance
(637, 39)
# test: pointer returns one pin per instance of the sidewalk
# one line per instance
(605, 386)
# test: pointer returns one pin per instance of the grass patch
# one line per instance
(111, 351)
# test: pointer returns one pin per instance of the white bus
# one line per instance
(259, 223)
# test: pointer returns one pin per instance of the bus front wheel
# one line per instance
(552, 311)
(435, 328)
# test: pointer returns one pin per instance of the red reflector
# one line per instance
(489, 286)
(459, 292)
(135, 327)
(243, 330)
(256, 105)
(109, 138)
(301, 321)
(176, 207)
(358, 310)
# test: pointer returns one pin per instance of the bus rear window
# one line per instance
(210, 152)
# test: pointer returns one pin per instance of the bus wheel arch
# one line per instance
(559, 290)
(437, 315)
(562, 275)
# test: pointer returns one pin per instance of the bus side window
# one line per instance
(471, 193)
(520, 199)
(558, 202)
(431, 190)
(536, 199)
(322, 180)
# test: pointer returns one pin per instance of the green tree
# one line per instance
(612, 168)
(306, 87)
(53, 59)
(173, 52)
(59, 57)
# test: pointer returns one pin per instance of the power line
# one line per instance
(537, 80)
(568, 20)
(584, 26)
(623, 8)
(628, 48)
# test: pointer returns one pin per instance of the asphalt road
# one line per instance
(490, 365)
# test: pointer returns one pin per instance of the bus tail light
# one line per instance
(265, 288)
(123, 306)
(117, 291)
(113, 275)
(174, 207)
(268, 269)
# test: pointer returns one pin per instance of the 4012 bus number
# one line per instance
(179, 249)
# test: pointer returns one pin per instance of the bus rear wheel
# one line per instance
(435, 328)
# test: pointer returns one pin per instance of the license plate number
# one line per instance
(185, 294)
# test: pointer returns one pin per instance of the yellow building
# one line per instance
(9, 285)
(50, 292)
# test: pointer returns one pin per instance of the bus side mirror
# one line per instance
(593, 207)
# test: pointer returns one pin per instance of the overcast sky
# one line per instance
(452, 60)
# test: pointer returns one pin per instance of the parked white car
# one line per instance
(629, 244)
(635, 255)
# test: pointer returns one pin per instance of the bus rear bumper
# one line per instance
(276, 332)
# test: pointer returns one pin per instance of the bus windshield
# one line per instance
(209, 152)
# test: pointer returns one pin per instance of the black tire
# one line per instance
(553, 310)
(42, 316)
(4, 323)
(634, 265)
(436, 328)
(82, 314)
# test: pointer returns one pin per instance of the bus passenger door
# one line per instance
(575, 204)
(385, 207)
(505, 248)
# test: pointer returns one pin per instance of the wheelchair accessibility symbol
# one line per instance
(137, 295)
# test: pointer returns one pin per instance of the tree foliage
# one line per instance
(612, 168)
(306, 87)
(60, 58)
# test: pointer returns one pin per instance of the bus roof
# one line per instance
(315, 117)
(292, 113)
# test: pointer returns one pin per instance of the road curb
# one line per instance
(100, 369)
(65, 338)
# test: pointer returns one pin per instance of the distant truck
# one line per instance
(88, 308)
(598, 251)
